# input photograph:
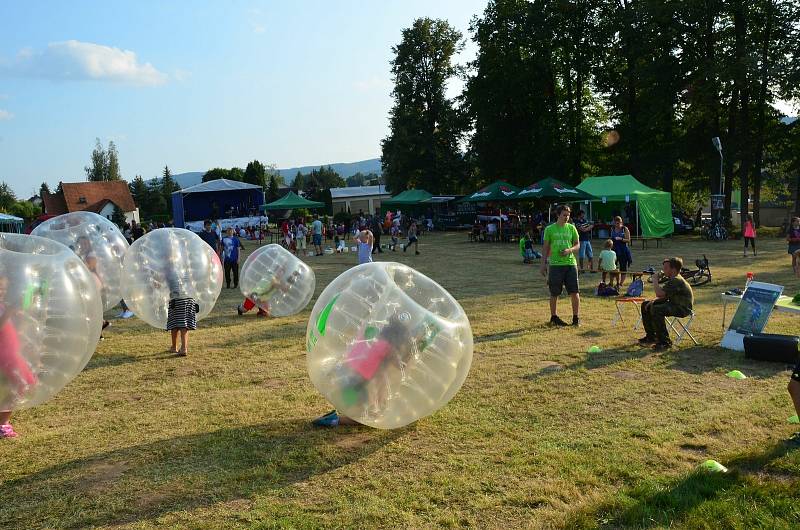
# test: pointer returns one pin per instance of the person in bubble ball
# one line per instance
(15, 374)
(264, 290)
(376, 358)
(181, 312)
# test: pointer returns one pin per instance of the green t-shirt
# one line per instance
(560, 238)
(679, 293)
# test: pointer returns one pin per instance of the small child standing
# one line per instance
(365, 240)
(793, 238)
(526, 246)
(181, 313)
(749, 233)
(608, 262)
(339, 243)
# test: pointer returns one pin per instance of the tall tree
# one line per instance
(139, 192)
(299, 181)
(272, 189)
(112, 162)
(168, 187)
(422, 149)
(255, 173)
(44, 189)
(7, 197)
(96, 172)
(216, 173)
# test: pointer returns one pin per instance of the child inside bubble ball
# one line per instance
(181, 312)
(16, 376)
(376, 360)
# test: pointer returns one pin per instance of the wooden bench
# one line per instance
(645, 240)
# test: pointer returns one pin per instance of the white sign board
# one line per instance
(752, 314)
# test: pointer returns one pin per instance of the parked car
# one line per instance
(684, 224)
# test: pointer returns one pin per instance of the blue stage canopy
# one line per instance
(219, 198)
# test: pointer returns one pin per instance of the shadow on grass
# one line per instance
(510, 334)
(699, 360)
(106, 360)
(748, 496)
(147, 481)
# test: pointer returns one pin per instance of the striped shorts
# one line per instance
(182, 314)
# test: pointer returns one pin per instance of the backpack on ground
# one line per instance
(635, 289)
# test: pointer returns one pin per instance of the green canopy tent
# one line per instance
(551, 188)
(653, 207)
(292, 201)
(408, 198)
(497, 191)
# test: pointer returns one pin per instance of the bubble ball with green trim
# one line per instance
(51, 314)
(387, 345)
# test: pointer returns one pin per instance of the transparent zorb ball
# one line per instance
(387, 345)
(277, 281)
(97, 242)
(167, 261)
(50, 319)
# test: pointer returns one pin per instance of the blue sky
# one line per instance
(196, 85)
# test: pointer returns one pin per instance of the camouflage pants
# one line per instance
(654, 318)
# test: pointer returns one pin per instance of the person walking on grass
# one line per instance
(412, 238)
(793, 238)
(585, 236)
(749, 234)
(230, 252)
(675, 299)
(316, 235)
(561, 243)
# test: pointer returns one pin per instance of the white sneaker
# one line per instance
(126, 314)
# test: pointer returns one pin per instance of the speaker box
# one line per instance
(770, 347)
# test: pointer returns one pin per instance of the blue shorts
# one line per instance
(586, 250)
(317, 238)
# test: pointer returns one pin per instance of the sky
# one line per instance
(196, 85)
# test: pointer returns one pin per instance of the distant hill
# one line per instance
(345, 169)
(788, 120)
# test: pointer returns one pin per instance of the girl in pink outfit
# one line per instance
(749, 233)
(15, 374)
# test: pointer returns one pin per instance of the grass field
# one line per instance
(542, 434)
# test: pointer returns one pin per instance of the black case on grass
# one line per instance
(770, 347)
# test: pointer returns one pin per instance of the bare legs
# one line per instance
(184, 333)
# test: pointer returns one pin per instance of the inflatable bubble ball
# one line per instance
(387, 345)
(97, 242)
(170, 263)
(277, 281)
(50, 319)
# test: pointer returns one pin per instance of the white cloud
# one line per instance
(76, 61)
(5, 115)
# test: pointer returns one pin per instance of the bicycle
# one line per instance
(714, 231)
(696, 277)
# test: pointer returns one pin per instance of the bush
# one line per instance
(764, 231)
(342, 217)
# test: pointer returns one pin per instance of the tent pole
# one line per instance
(638, 228)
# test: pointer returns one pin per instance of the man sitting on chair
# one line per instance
(675, 299)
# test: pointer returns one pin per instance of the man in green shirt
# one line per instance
(675, 299)
(561, 242)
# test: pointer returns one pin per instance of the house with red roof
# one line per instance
(97, 197)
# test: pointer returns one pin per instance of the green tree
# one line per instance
(272, 189)
(139, 192)
(112, 163)
(236, 173)
(97, 170)
(43, 190)
(7, 197)
(299, 181)
(255, 173)
(168, 187)
(118, 217)
(422, 149)
(25, 210)
(216, 173)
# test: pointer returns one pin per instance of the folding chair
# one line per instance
(636, 301)
(684, 328)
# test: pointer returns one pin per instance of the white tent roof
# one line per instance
(358, 191)
(6, 217)
(218, 185)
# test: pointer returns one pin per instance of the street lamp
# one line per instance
(718, 144)
(717, 200)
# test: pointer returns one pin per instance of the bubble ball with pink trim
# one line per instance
(387, 345)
